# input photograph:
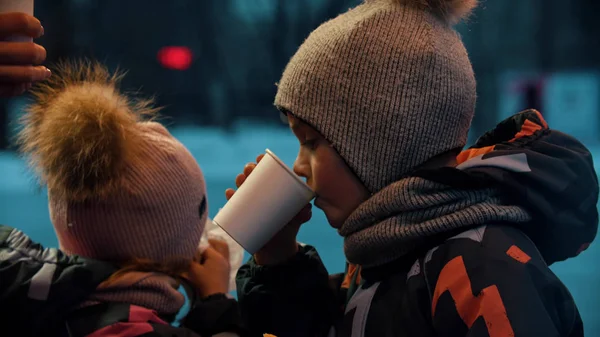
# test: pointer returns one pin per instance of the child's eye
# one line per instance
(309, 143)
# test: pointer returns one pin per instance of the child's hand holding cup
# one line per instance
(265, 213)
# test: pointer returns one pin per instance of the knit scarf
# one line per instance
(154, 291)
(407, 214)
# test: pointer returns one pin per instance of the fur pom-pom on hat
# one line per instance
(121, 188)
(80, 130)
(451, 11)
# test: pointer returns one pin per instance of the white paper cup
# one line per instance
(269, 198)
(21, 6)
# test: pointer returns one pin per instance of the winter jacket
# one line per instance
(41, 291)
(489, 280)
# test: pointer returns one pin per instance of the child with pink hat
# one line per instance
(123, 191)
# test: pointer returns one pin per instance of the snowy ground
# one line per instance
(222, 156)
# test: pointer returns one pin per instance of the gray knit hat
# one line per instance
(389, 84)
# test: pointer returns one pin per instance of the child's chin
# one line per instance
(333, 220)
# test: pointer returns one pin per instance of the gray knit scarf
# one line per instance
(404, 215)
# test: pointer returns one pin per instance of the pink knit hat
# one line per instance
(119, 187)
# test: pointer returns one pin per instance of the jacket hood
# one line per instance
(547, 172)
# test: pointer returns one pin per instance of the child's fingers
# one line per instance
(211, 254)
(239, 180)
(260, 157)
(220, 247)
(198, 255)
(229, 193)
(195, 271)
(249, 168)
(303, 216)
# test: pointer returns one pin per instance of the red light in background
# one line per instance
(176, 58)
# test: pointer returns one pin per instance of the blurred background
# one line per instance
(214, 65)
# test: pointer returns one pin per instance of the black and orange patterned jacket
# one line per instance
(492, 280)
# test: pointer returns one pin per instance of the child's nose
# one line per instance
(300, 169)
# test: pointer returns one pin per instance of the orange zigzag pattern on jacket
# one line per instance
(487, 304)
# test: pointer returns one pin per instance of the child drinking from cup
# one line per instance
(439, 241)
(122, 191)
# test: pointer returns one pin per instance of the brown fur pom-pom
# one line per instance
(80, 131)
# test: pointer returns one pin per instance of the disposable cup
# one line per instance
(269, 198)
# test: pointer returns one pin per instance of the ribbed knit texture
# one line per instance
(407, 213)
(149, 290)
(155, 215)
(389, 86)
